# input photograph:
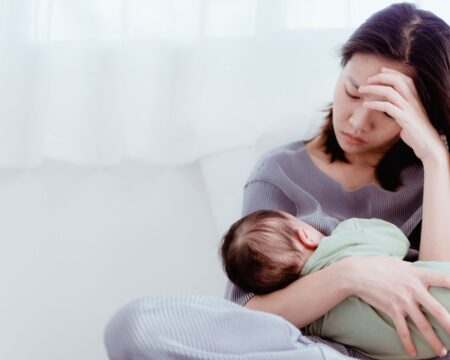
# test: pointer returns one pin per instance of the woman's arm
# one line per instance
(435, 235)
(309, 297)
(404, 105)
(405, 295)
(402, 296)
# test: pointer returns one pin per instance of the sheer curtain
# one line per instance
(96, 82)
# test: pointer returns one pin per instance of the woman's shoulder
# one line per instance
(287, 148)
(287, 151)
(279, 157)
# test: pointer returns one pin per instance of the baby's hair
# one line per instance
(258, 252)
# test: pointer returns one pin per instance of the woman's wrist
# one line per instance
(437, 159)
(346, 270)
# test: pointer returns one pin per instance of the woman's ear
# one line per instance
(308, 242)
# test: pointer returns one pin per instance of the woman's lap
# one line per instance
(205, 327)
(192, 327)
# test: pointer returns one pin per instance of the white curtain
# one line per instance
(96, 82)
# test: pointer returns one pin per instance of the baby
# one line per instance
(267, 250)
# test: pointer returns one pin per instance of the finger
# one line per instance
(407, 78)
(404, 334)
(385, 106)
(435, 278)
(387, 92)
(436, 309)
(393, 71)
(405, 87)
(427, 330)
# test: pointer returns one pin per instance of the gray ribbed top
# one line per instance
(287, 179)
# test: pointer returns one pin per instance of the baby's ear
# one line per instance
(302, 235)
(308, 242)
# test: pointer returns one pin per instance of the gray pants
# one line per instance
(205, 327)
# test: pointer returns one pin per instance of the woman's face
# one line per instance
(375, 131)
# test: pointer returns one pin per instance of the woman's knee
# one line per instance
(153, 327)
(144, 328)
(124, 334)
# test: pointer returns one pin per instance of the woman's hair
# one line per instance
(421, 41)
(258, 252)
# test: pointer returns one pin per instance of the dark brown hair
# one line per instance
(419, 40)
(258, 252)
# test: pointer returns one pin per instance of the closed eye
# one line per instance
(355, 97)
(348, 94)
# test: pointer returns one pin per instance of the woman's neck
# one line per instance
(364, 162)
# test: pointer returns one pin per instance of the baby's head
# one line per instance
(265, 251)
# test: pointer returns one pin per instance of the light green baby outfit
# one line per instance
(353, 321)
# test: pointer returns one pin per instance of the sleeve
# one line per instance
(258, 195)
(414, 237)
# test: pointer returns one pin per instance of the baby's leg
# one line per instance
(205, 327)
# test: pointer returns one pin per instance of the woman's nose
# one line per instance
(360, 119)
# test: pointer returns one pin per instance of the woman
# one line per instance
(381, 153)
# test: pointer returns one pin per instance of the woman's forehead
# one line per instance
(362, 66)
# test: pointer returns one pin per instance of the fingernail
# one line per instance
(444, 352)
(413, 353)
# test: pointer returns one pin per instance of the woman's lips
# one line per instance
(353, 140)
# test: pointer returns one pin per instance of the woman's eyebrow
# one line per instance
(353, 82)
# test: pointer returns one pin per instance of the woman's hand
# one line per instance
(404, 105)
(399, 290)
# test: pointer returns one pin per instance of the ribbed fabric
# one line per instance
(287, 179)
(205, 328)
(196, 327)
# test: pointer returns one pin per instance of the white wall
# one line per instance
(78, 243)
